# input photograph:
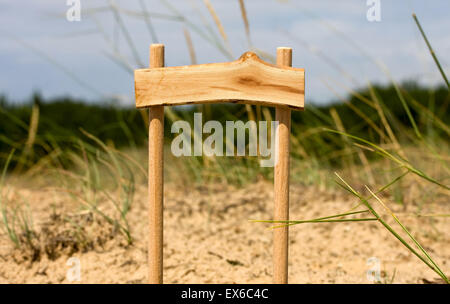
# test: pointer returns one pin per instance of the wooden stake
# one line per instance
(281, 182)
(156, 178)
(248, 80)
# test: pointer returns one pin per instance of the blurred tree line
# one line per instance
(61, 121)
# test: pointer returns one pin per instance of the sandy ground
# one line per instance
(209, 239)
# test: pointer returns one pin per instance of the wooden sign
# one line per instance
(247, 80)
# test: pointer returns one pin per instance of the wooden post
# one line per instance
(281, 182)
(156, 178)
(248, 80)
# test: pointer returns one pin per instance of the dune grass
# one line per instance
(376, 136)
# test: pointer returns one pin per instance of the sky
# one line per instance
(41, 51)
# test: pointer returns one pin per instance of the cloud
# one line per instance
(393, 41)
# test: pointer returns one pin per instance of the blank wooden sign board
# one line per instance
(247, 80)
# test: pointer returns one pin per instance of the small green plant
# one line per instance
(93, 181)
(17, 222)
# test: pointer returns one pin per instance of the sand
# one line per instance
(209, 239)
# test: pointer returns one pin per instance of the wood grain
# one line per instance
(246, 80)
(156, 179)
(281, 182)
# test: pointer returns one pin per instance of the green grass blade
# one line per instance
(348, 188)
(433, 54)
(409, 234)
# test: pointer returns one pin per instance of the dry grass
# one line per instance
(95, 208)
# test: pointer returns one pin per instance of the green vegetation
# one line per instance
(60, 123)
(385, 136)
